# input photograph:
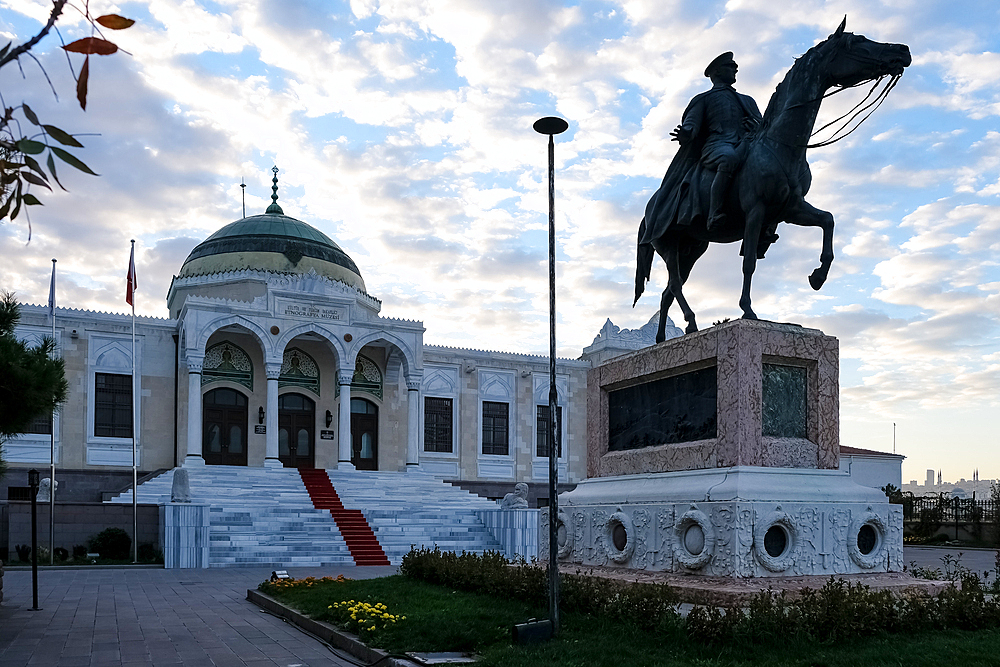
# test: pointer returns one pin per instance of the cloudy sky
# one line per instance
(403, 131)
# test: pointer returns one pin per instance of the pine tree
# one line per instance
(32, 381)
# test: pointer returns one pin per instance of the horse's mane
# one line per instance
(779, 98)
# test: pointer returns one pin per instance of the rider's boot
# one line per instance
(719, 187)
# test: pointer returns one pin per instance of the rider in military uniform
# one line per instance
(719, 118)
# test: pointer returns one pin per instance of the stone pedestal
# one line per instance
(727, 390)
(715, 454)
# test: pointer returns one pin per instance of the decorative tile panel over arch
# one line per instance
(227, 361)
(367, 377)
(298, 369)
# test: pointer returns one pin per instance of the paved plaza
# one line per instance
(196, 618)
(103, 618)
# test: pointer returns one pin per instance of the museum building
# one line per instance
(275, 355)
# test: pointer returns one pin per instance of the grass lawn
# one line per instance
(441, 619)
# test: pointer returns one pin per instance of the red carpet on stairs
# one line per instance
(355, 530)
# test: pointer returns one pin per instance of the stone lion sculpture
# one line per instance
(45, 490)
(517, 500)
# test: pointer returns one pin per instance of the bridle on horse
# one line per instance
(857, 109)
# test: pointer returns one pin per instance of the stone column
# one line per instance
(344, 378)
(194, 444)
(413, 422)
(273, 370)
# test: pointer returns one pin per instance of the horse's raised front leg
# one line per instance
(804, 214)
(751, 237)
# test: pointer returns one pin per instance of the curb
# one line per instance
(337, 638)
(60, 568)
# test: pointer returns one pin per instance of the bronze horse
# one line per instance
(774, 178)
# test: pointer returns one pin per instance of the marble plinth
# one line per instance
(736, 522)
(740, 354)
(184, 535)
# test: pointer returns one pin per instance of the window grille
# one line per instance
(112, 405)
(437, 424)
(496, 428)
(542, 424)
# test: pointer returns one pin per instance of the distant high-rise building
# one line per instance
(930, 478)
(939, 478)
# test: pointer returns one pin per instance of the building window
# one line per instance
(112, 405)
(437, 424)
(495, 428)
(41, 425)
(542, 428)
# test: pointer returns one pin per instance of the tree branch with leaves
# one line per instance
(21, 142)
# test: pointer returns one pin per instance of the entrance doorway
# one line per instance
(364, 434)
(296, 431)
(224, 428)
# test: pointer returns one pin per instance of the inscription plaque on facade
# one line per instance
(680, 408)
(326, 435)
(783, 401)
(297, 310)
(260, 429)
(291, 308)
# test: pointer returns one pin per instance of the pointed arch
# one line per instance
(336, 344)
(205, 332)
(408, 358)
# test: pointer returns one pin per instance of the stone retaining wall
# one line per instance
(76, 523)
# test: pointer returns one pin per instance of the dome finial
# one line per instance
(274, 208)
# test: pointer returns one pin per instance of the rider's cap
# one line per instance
(724, 59)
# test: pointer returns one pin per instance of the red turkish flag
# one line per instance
(130, 282)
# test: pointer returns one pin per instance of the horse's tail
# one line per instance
(643, 263)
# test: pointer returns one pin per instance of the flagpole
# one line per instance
(52, 431)
(135, 422)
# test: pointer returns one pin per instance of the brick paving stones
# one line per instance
(133, 617)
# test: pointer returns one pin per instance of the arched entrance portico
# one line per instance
(296, 431)
(225, 428)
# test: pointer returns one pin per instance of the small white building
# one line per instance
(870, 468)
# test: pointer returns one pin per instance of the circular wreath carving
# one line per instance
(566, 548)
(876, 554)
(762, 540)
(619, 522)
(694, 520)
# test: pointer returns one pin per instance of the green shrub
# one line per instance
(79, 552)
(61, 554)
(841, 612)
(112, 543)
(647, 605)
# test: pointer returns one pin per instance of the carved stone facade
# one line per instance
(757, 522)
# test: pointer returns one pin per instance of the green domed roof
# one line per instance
(275, 242)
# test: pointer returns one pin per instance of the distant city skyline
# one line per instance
(402, 130)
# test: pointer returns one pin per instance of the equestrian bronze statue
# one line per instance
(738, 174)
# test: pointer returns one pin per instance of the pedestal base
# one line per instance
(273, 463)
(734, 522)
(193, 462)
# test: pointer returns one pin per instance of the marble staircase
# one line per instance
(266, 517)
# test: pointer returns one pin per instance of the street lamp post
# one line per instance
(33, 481)
(552, 126)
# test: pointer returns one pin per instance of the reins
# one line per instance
(856, 111)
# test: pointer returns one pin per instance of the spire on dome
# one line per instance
(274, 208)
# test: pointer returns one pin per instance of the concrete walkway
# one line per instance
(115, 617)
